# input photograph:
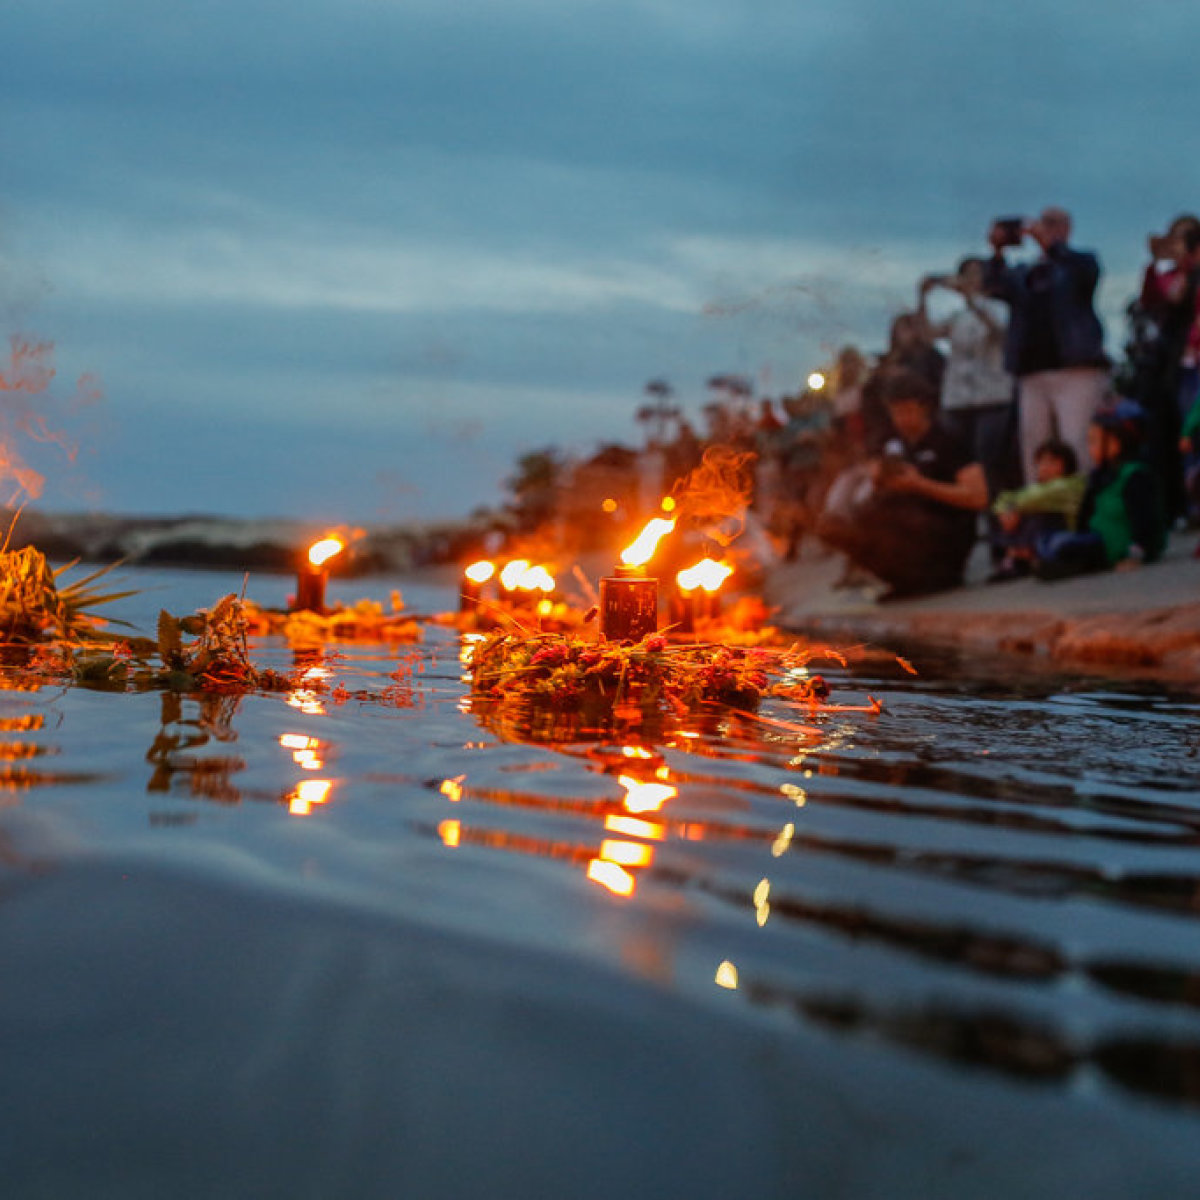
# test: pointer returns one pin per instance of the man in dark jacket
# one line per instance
(1055, 342)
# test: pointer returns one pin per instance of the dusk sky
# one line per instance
(346, 259)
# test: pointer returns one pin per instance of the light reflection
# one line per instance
(626, 854)
(783, 840)
(450, 832)
(645, 797)
(307, 793)
(612, 876)
(727, 976)
(634, 827)
(794, 792)
(452, 789)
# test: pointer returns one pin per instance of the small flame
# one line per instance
(642, 549)
(707, 574)
(512, 573)
(321, 552)
(480, 572)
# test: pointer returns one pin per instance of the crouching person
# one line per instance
(1121, 522)
(912, 521)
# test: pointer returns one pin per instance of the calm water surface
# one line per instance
(367, 942)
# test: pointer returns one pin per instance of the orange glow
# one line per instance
(645, 797)
(513, 572)
(538, 579)
(450, 832)
(641, 550)
(636, 752)
(626, 854)
(308, 793)
(612, 876)
(322, 551)
(545, 608)
(452, 789)
(668, 504)
(480, 572)
(707, 574)
(634, 827)
(609, 505)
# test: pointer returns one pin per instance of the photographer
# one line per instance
(977, 392)
(914, 526)
(1055, 342)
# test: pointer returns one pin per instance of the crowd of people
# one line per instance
(1006, 420)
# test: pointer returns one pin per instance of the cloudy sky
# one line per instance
(345, 259)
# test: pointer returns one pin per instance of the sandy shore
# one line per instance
(1148, 618)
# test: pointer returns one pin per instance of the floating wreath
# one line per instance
(566, 673)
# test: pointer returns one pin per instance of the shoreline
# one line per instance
(1145, 620)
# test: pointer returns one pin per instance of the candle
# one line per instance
(629, 599)
(474, 577)
(313, 575)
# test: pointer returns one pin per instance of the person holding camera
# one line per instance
(908, 516)
(1055, 341)
(977, 392)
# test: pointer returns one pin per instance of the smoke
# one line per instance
(29, 411)
(718, 492)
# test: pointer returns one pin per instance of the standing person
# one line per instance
(1055, 342)
(977, 391)
(1168, 300)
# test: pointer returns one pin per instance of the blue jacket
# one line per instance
(1077, 329)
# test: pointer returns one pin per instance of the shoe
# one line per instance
(1018, 569)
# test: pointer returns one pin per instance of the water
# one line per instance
(368, 943)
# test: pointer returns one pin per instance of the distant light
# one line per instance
(816, 381)
(668, 504)
(609, 505)
(727, 975)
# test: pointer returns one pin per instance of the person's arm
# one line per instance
(994, 327)
(968, 489)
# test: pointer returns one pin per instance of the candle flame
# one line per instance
(321, 552)
(480, 572)
(707, 574)
(642, 549)
(511, 575)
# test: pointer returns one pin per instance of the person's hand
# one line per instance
(901, 476)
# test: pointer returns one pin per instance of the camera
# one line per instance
(1010, 230)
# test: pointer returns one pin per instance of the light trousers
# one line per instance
(1059, 404)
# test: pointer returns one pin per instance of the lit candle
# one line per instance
(313, 575)
(629, 599)
(697, 593)
(474, 577)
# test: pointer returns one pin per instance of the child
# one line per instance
(1121, 522)
(1048, 506)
